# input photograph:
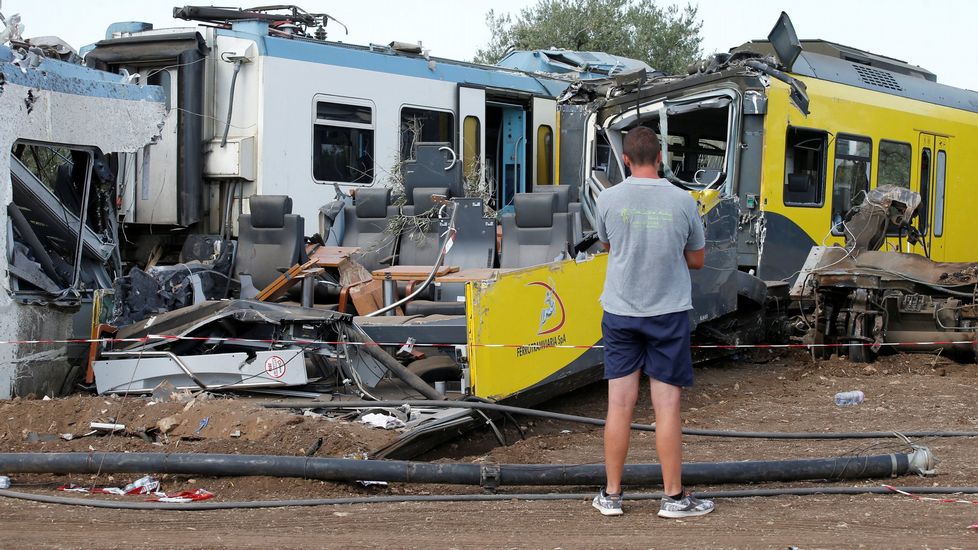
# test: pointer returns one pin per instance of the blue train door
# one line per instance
(507, 137)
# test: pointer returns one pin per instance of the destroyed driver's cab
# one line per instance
(67, 136)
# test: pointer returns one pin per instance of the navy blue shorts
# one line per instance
(658, 345)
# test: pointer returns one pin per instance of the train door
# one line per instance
(931, 184)
(472, 133)
(544, 117)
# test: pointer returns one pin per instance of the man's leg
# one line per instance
(622, 395)
(668, 434)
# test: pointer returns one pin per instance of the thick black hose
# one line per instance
(339, 469)
(600, 422)
(358, 336)
(481, 497)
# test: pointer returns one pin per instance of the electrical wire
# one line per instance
(475, 497)
(600, 422)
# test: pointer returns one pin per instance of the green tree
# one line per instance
(667, 38)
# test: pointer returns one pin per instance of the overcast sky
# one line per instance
(938, 36)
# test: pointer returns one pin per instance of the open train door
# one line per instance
(544, 141)
(472, 133)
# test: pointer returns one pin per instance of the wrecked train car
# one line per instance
(346, 120)
(67, 135)
(797, 132)
(866, 298)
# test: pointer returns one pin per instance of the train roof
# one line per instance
(395, 58)
(842, 64)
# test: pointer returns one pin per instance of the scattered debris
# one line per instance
(168, 424)
(143, 486)
(384, 421)
(107, 427)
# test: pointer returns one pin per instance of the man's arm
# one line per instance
(600, 228)
(695, 258)
(695, 251)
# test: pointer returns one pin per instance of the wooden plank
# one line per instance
(331, 256)
(285, 281)
(474, 274)
(412, 272)
(369, 297)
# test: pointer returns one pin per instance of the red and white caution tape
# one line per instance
(306, 342)
(143, 486)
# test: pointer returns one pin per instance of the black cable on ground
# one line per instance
(600, 422)
(386, 499)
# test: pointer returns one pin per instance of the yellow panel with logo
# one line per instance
(533, 327)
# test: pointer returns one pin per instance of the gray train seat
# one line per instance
(420, 246)
(474, 247)
(566, 203)
(535, 233)
(270, 239)
(365, 225)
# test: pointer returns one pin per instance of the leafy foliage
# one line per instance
(666, 38)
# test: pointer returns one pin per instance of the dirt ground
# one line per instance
(762, 392)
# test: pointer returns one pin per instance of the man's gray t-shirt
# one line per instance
(649, 223)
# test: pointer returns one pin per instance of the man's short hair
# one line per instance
(642, 146)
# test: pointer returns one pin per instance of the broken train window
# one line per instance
(804, 167)
(853, 160)
(343, 142)
(425, 126)
(696, 151)
(60, 221)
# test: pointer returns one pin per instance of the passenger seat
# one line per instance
(535, 233)
(566, 204)
(366, 223)
(419, 247)
(270, 239)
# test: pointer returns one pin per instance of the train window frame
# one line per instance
(940, 192)
(853, 157)
(360, 131)
(881, 163)
(472, 164)
(67, 248)
(822, 165)
(405, 145)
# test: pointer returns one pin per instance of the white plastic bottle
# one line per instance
(849, 398)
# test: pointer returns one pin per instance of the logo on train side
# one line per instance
(552, 314)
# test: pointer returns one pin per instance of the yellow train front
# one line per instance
(798, 142)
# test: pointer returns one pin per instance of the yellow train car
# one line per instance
(797, 131)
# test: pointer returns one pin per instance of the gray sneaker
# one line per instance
(608, 505)
(685, 507)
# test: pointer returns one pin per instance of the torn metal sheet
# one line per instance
(224, 371)
(47, 102)
(225, 345)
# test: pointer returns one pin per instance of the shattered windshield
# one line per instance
(694, 140)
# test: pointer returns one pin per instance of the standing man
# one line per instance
(654, 236)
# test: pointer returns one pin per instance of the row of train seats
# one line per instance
(370, 224)
(542, 227)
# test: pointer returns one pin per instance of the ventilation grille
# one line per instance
(876, 77)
